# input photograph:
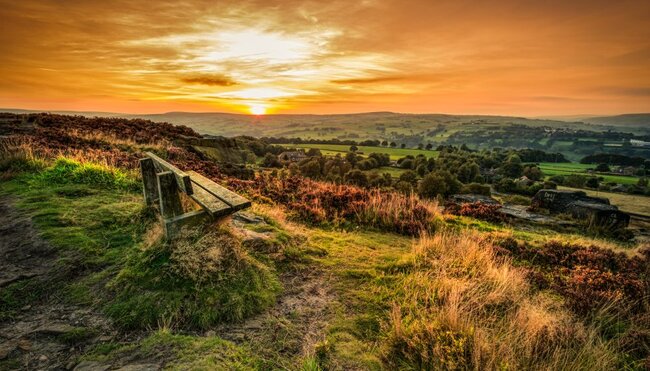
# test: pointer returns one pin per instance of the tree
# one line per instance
(384, 143)
(314, 152)
(351, 158)
(409, 176)
(429, 146)
(512, 168)
(393, 144)
(407, 163)
(468, 172)
(440, 182)
(403, 145)
(592, 182)
(432, 185)
(422, 169)
(311, 169)
(420, 146)
(356, 177)
(271, 160)
(533, 172)
(353, 148)
(603, 168)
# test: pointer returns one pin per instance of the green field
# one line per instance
(629, 203)
(551, 168)
(394, 153)
(393, 171)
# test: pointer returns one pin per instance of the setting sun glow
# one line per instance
(257, 109)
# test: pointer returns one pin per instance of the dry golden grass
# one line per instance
(405, 213)
(463, 307)
(200, 256)
(160, 144)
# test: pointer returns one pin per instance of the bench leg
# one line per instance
(149, 181)
(170, 201)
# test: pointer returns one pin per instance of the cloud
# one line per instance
(369, 80)
(210, 80)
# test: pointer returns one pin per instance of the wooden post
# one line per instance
(170, 201)
(149, 181)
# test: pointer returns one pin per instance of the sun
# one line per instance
(257, 109)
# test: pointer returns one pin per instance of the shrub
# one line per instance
(478, 210)
(271, 160)
(588, 276)
(440, 182)
(476, 188)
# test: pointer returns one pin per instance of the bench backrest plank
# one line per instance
(182, 178)
(232, 199)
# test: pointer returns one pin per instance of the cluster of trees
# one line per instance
(456, 169)
(616, 159)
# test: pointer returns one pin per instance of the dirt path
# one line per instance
(297, 321)
(44, 333)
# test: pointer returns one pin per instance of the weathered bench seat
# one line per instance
(162, 183)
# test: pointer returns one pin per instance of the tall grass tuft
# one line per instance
(17, 156)
(406, 214)
(464, 307)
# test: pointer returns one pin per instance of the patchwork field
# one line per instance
(394, 153)
(550, 169)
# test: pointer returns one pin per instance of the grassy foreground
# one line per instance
(440, 301)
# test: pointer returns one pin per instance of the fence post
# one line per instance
(170, 201)
(149, 181)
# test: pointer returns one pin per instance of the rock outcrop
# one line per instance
(595, 211)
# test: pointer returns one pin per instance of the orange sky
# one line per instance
(514, 57)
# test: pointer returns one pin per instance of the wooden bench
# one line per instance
(162, 184)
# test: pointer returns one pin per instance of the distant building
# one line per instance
(629, 170)
(524, 181)
(639, 143)
(292, 156)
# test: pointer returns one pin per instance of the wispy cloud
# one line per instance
(210, 80)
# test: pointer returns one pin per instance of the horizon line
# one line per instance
(585, 115)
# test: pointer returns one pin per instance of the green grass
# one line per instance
(144, 284)
(393, 171)
(94, 216)
(394, 153)
(550, 169)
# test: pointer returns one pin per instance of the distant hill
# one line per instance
(370, 125)
(629, 120)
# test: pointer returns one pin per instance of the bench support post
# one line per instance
(170, 201)
(149, 181)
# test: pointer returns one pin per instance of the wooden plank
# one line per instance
(212, 205)
(173, 225)
(149, 181)
(232, 199)
(182, 177)
(170, 200)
